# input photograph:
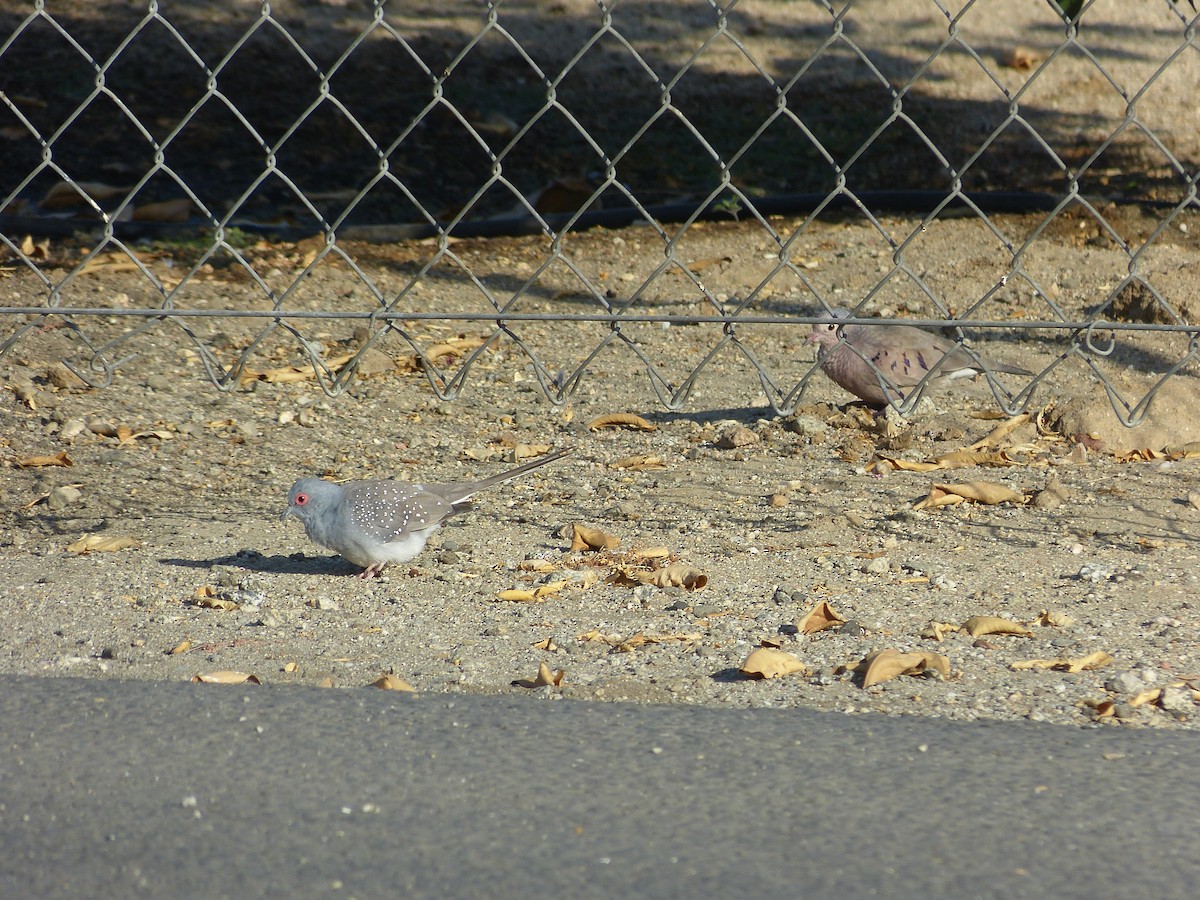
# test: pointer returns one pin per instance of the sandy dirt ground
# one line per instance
(777, 514)
(139, 523)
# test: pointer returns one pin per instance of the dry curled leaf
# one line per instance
(596, 636)
(35, 249)
(585, 538)
(1079, 664)
(884, 665)
(68, 195)
(544, 677)
(885, 463)
(1102, 708)
(651, 553)
(938, 630)
(1048, 619)
(179, 209)
(976, 491)
(458, 346)
(977, 626)
(1000, 432)
(546, 644)
(640, 463)
(534, 595)
(628, 645)
(518, 595)
(621, 420)
(102, 543)
(211, 599)
(34, 462)
(226, 676)
(293, 374)
(182, 647)
(1021, 58)
(1190, 450)
(699, 265)
(768, 663)
(676, 575)
(390, 682)
(1150, 695)
(819, 618)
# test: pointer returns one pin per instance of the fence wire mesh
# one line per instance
(317, 186)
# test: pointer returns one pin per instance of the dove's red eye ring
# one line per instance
(301, 499)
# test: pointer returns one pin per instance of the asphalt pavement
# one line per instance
(136, 789)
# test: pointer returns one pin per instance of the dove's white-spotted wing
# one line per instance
(384, 511)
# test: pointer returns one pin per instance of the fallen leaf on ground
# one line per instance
(1000, 432)
(884, 665)
(1190, 450)
(1150, 695)
(699, 265)
(976, 491)
(1021, 59)
(621, 420)
(544, 677)
(178, 210)
(518, 595)
(35, 249)
(226, 677)
(458, 346)
(102, 543)
(390, 682)
(596, 636)
(819, 618)
(977, 626)
(640, 463)
(1079, 664)
(210, 598)
(938, 630)
(651, 553)
(1102, 708)
(958, 459)
(767, 663)
(66, 194)
(585, 538)
(640, 639)
(182, 647)
(534, 595)
(108, 263)
(34, 462)
(547, 644)
(676, 575)
(1048, 619)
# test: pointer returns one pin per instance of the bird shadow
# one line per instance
(253, 561)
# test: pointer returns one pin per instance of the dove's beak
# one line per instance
(283, 517)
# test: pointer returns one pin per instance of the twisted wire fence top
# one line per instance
(216, 160)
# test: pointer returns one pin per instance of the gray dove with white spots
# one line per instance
(373, 523)
(883, 363)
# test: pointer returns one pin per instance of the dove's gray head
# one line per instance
(827, 335)
(312, 497)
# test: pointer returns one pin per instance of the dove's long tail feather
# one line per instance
(458, 493)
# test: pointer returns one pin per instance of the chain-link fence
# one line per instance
(323, 184)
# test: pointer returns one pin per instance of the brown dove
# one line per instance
(883, 363)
